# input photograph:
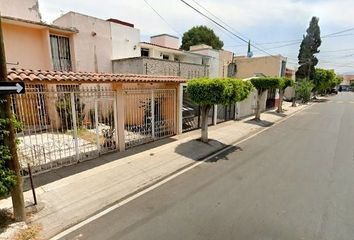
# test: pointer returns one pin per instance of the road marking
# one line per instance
(158, 184)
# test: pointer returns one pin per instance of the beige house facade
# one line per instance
(272, 66)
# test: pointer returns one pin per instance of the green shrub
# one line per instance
(265, 83)
(7, 177)
(65, 112)
(304, 89)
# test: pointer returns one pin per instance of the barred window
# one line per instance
(61, 57)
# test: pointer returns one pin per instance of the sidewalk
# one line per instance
(73, 198)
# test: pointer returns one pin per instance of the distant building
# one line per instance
(268, 66)
(348, 79)
(219, 60)
(247, 67)
(290, 73)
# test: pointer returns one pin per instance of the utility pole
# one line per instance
(10, 139)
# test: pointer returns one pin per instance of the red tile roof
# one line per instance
(85, 77)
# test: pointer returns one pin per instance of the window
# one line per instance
(283, 68)
(165, 57)
(61, 57)
(145, 52)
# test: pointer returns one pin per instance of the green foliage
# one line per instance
(304, 89)
(265, 83)
(7, 177)
(239, 90)
(205, 91)
(65, 112)
(324, 80)
(201, 35)
(286, 82)
(308, 48)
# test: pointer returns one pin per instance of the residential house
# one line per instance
(220, 60)
(74, 107)
(348, 79)
(23, 9)
(220, 66)
(162, 56)
(270, 66)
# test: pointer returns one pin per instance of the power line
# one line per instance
(296, 41)
(163, 19)
(220, 19)
(220, 25)
(335, 34)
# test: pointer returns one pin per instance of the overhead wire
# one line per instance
(163, 19)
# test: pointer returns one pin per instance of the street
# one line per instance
(294, 181)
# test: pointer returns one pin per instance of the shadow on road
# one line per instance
(198, 151)
(56, 174)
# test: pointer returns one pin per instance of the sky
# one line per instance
(275, 26)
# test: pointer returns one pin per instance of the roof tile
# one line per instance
(42, 75)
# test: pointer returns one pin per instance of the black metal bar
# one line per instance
(31, 180)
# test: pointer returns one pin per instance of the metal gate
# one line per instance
(150, 114)
(64, 126)
(225, 113)
(191, 115)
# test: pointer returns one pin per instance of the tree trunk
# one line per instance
(258, 105)
(204, 123)
(294, 97)
(280, 103)
(10, 141)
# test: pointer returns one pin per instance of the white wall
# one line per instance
(247, 107)
(24, 9)
(92, 44)
(214, 61)
(124, 40)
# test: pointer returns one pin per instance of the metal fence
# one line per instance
(225, 113)
(191, 115)
(154, 116)
(65, 125)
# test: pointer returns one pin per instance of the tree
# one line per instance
(325, 80)
(9, 164)
(262, 85)
(303, 90)
(208, 92)
(201, 35)
(283, 84)
(308, 48)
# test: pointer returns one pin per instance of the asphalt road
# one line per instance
(294, 181)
